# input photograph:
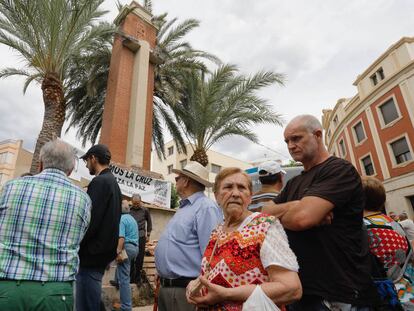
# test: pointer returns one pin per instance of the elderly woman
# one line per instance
(395, 257)
(249, 249)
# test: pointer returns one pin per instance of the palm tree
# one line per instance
(87, 96)
(221, 105)
(48, 34)
(86, 90)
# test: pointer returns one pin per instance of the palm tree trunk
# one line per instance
(200, 156)
(53, 117)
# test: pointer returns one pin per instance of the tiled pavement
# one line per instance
(146, 308)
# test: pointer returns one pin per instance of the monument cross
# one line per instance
(127, 117)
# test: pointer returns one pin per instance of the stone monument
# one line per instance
(127, 118)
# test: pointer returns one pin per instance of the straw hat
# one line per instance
(195, 171)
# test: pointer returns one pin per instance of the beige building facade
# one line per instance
(375, 129)
(14, 160)
(177, 160)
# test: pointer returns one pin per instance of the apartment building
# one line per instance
(177, 160)
(14, 160)
(375, 128)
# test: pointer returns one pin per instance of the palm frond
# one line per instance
(148, 5)
(35, 77)
(83, 83)
(224, 103)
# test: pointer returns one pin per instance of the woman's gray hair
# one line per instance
(58, 154)
(136, 196)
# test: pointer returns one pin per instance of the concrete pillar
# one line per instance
(127, 119)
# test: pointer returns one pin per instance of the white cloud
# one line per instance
(320, 45)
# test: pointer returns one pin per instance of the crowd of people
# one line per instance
(322, 241)
(56, 240)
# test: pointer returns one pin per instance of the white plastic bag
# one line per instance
(258, 301)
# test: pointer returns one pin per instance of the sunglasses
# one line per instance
(179, 177)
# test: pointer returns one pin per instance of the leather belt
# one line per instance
(179, 282)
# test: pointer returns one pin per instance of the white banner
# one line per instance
(154, 191)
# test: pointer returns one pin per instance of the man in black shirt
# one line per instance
(143, 218)
(321, 210)
(98, 247)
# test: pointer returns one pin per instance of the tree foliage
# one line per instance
(48, 35)
(222, 104)
(86, 99)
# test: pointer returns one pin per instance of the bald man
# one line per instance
(333, 258)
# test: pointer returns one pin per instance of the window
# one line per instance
(401, 150)
(170, 168)
(377, 76)
(6, 157)
(335, 120)
(389, 111)
(374, 79)
(215, 168)
(411, 199)
(380, 74)
(368, 166)
(170, 150)
(342, 148)
(183, 163)
(359, 132)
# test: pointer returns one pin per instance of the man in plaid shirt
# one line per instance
(43, 219)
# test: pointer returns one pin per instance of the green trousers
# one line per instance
(35, 296)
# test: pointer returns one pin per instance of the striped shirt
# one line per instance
(43, 219)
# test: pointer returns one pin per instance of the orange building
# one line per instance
(374, 130)
(14, 160)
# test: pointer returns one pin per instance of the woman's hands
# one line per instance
(212, 293)
(189, 292)
(283, 287)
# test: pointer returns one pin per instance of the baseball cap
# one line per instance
(101, 151)
(270, 168)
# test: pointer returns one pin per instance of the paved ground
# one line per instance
(146, 308)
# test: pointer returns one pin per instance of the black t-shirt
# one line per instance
(142, 216)
(333, 260)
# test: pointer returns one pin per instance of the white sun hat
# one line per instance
(195, 171)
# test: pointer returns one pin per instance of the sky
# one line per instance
(320, 46)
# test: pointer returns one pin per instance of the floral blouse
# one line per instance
(387, 241)
(241, 257)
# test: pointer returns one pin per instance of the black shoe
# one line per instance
(114, 283)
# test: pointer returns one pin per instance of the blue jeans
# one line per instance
(89, 289)
(122, 276)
